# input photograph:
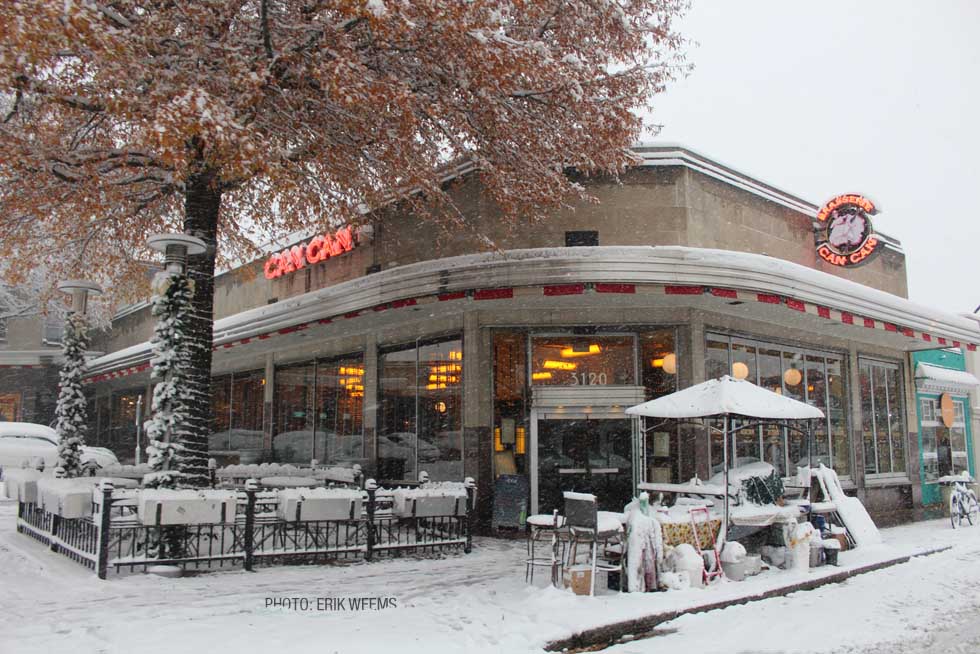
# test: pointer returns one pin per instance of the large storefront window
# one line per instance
(882, 418)
(237, 402)
(318, 409)
(944, 450)
(669, 450)
(808, 376)
(421, 412)
(583, 360)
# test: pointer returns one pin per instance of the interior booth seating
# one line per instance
(587, 525)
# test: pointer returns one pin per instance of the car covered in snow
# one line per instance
(25, 441)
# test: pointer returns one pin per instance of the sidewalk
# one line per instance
(471, 603)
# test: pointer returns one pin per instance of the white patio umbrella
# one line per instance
(722, 398)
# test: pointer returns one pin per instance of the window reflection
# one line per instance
(421, 417)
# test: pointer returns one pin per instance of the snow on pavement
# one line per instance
(473, 603)
(929, 605)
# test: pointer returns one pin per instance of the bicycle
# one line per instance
(963, 504)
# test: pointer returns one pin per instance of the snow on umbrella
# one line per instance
(726, 396)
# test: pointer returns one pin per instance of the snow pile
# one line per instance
(68, 498)
(126, 471)
(962, 477)
(160, 506)
(737, 475)
(306, 504)
(685, 559)
(732, 552)
(850, 509)
(21, 484)
(429, 501)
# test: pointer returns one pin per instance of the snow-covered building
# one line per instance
(30, 355)
(408, 350)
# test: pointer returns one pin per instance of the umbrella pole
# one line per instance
(724, 443)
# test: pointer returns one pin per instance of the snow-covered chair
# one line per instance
(587, 525)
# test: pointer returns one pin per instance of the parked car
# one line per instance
(24, 441)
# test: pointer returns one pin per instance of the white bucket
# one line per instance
(734, 571)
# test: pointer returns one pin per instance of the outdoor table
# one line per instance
(696, 490)
(289, 482)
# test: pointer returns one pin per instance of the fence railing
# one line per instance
(115, 538)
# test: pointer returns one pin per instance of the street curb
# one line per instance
(611, 632)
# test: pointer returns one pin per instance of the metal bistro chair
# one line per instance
(586, 526)
(541, 526)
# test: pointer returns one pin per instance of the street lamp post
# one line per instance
(173, 292)
(71, 411)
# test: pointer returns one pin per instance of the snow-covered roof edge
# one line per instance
(625, 264)
(930, 377)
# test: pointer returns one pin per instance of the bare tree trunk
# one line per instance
(202, 202)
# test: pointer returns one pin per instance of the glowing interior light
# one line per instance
(560, 365)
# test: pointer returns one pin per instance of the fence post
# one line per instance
(105, 519)
(470, 484)
(371, 486)
(53, 538)
(251, 489)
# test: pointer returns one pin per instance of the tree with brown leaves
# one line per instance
(235, 120)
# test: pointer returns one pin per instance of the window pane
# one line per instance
(868, 419)
(794, 386)
(510, 447)
(880, 409)
(339, 403)
(716, 357)
(396, 420)
(122, 438)
(957, 436)
(440, 410)
(293, 400)
(837, 412)
(896, 418)
(816, 395)
(220, 414)
(582, 360)
(658, 352)
(247, 396)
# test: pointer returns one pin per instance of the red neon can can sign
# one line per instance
(844, 235)
(317, 249)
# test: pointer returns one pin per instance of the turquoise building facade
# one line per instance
(943, 450)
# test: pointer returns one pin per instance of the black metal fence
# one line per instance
(114, 538)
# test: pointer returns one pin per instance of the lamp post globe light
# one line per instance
(176, 248)
(71, 411)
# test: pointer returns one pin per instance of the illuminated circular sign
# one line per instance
(844, 233)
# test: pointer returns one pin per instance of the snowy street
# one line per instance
(480, 603)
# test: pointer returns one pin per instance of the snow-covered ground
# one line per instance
(480, 603)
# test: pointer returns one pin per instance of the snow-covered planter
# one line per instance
(307, 504)
(21, 484)
(444, 499)
(186, 507)
(68, 498)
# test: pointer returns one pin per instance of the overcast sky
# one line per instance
(875, 97)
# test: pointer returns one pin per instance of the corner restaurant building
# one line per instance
(407, 351)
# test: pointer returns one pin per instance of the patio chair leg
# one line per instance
(595, 547)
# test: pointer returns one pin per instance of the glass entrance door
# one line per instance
(586, 456)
